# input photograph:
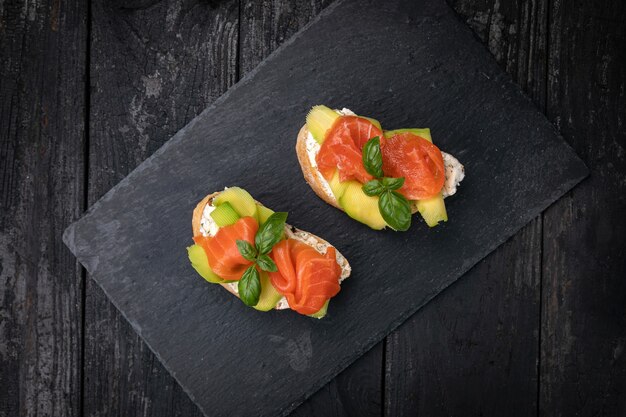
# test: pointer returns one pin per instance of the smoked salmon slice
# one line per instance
(305, 277)
(221, 249)
(342, 148)
(418, 161)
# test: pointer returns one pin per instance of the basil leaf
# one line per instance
(373, 188)
(372, 158)
(270, 233)
(250, 287)
(395, 210)
(393, 183)
(246, 249)
(266, 264)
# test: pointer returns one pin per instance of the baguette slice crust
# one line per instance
(292, 232)
(310, 172)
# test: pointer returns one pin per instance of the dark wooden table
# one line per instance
(89, 90)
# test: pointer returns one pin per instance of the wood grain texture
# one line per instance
(42, 105)
(265, 25)
(354, 392)
(583, 365)
(154, 67)
(474, 349)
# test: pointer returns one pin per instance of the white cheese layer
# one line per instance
(455, 172)
(208, 227)
(312, 149)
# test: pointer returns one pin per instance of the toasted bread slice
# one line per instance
(291, 232)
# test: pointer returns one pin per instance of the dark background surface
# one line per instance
(132, 240)
(88, 91)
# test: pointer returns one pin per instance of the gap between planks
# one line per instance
(86, 142)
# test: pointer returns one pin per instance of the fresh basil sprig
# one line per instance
(393, 183)
(372, 158)
(265, 263)
(250, 287)
(395, 210)
(373, 188)
(247, 250)
(269, 234)
(393, 206)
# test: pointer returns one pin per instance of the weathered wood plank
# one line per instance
(264, 26)
(354, 392)
(583, 365)
(42, 108)
(474, 349)
(153, 69)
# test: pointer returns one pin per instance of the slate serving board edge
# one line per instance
(559, 192)
(68, 234)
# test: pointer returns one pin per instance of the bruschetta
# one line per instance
(255, 255)
(378, 177)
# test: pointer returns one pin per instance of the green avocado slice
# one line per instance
(433, 210)
(322, 311)
(269, 296)
(224, 215)
(319, 120)
(423, 133)
(263, 213)
(338, 187)
(200, 263)
(360, 206)
(240, 200)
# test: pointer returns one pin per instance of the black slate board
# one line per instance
(420, 67)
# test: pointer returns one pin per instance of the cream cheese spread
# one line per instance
(455, 172)
(312, 149)
(207, 224)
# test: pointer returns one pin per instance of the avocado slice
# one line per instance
(337, 186)
(240, 200)
(373, 121)
(200, 263)
(433, 210)
(322, 311)
(225, 214)
(360, 206)
(424, 133)
(269, 296)
(263, 213)
(319, 120)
